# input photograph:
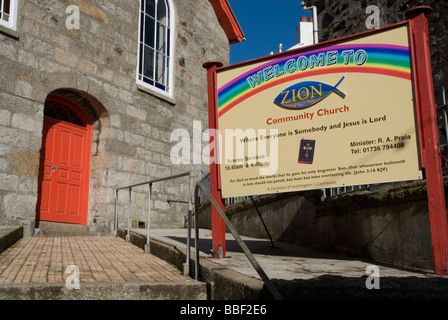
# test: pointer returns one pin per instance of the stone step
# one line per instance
(191, 290)
(9, 234)
(57, 229)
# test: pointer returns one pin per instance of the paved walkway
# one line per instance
(99, 259)
(308, 274)
(283, 260)
(111, 268)
(111, 259)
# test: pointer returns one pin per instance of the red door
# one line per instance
(64, 174)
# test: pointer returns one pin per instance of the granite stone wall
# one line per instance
(95, 66)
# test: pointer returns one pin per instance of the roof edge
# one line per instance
(228, 21)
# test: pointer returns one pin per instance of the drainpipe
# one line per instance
(315, 28)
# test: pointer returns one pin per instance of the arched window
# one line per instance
(154, 69)
(62, 109)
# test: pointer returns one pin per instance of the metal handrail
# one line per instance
(150, 183)
(232, 229)
(156, 180)
(236, 236)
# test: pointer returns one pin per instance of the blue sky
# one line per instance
(266, 24)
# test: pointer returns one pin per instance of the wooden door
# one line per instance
(64, 174)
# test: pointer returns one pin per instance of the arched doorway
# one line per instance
(64, 162)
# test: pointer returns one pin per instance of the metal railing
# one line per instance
(260, 271)
(206, 192)
(148, 217)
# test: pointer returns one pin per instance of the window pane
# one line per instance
(161, 11)
(63, 113)
(149, 31)
(148, 62)
(4, 10)
(150, 8)
(6, 6)
(140, 63)
(167, 15)
(160, 86)
(168, 39)
(50, 112)
(161, 30)
(78, 122)
(149, 81)
(142, 24)
(161, 68)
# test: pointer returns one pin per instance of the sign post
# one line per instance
(429, 144)
(218, 225)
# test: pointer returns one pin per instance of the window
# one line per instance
(8, 14)
(60, 112)
(154, 68)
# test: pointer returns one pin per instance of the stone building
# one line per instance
(90, 92)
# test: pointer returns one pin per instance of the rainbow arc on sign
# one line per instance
(381, 59)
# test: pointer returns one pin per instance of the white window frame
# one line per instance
(171, 23)
(13, 14)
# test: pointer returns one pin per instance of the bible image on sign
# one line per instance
(306, 151)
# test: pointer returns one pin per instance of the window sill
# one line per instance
(9, 32)
(156, 94)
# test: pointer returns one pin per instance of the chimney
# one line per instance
(304, 32)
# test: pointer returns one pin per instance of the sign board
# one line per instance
(328, 116)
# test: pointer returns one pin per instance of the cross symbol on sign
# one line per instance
(307, 148)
